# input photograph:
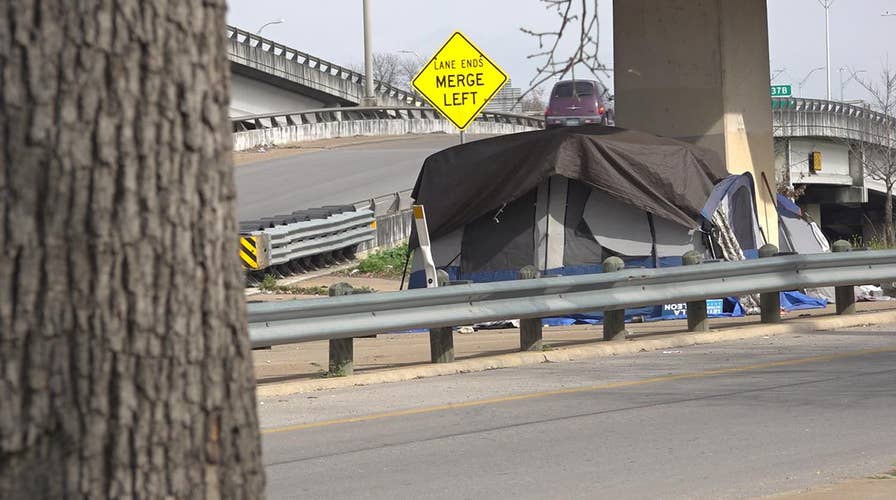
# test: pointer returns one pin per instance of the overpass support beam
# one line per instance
(698, 70)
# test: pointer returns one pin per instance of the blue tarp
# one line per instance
(795, 301)
(727, 185)
(788, 208)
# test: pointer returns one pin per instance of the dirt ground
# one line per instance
(883, 488)
(378, 284)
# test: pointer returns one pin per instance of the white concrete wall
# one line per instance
(834, 162)
(316, 131)
(253, 97)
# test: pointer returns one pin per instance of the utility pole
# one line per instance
(369, 97)
(827, 39)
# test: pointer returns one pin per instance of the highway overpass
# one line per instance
(267, 76)
(844, 196)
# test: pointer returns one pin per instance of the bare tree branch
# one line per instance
(580, 22)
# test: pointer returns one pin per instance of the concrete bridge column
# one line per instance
(698, 70)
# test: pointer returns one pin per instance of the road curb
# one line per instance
(599, 349)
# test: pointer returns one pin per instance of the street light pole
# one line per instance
(827, 39)
(851, 78)
(800, 85)
(414, 52)
(278, 21)
(369, 98)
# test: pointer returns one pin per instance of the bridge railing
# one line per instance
(333, 70)
(327, 115)
(798, 117)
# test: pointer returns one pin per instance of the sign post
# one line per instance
(781, 91)
(459, 81)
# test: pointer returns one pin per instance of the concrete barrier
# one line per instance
(315, 131)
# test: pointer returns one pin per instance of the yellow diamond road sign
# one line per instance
(459, 80)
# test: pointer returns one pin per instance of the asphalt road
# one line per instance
(733, 420)
(334, 176)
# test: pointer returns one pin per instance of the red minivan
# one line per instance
(579, 102)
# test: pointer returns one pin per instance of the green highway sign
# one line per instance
(781, 91)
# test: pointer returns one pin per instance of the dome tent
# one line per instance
(563, 200)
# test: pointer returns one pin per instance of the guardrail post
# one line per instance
(697, 321)
(770, 302)
(441, 340)
(845, 296)
(614, 321)
(342, 351)
(530, 328)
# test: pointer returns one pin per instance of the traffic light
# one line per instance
(814, 162)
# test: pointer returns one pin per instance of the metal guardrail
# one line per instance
(329, 115)
(326, 68)
(358, 315)
(283, 239)
(279, 240)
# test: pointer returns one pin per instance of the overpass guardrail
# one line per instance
(340, 319)
(254, 51)
(358, 113)
(798, 117)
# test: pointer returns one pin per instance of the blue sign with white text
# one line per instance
(680, 311)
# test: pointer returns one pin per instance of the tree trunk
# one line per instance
(125, 368)
(888, 216)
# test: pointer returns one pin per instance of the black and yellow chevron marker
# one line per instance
(249, 251)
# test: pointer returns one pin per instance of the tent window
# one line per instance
(500, 246)
(581, 247)
(618, 226)
(672, 240)
(741, 217)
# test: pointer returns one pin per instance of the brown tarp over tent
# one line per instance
(668, 178)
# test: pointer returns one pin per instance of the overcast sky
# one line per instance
(860, 37)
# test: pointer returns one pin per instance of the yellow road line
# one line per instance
(574, 390)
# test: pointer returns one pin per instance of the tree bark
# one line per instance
(125, 368)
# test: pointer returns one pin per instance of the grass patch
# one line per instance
(873, 243)
(547, 347)
(387, 264)
(886, 475)
(335, 372)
